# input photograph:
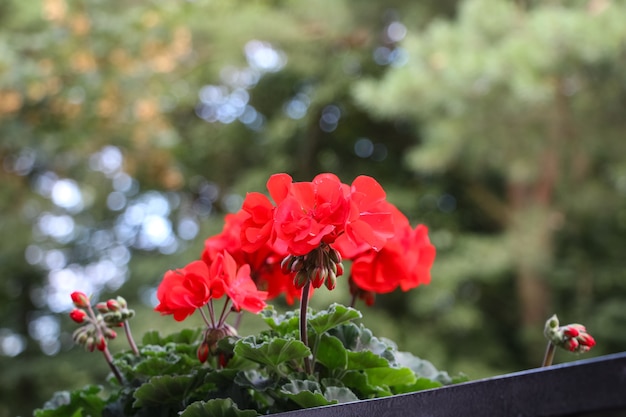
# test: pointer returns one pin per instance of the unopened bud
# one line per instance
(80, 299)
(334, 255)
(331, 281)
(113, 305)
(203, 352)
(78, 315)
(339, 269)
(300, 280)
(318, 277)
(109, 333)
(285, 264)
(102, 307)
(90, 343)
(102, 343)
(122, 302)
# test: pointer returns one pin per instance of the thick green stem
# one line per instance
(304, 301)
(549, 356)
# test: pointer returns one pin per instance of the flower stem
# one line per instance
(109, 359)
(224, 313)
(549, 355)
(304, 301)
(129, 336)
(353, 299)
(204, 317)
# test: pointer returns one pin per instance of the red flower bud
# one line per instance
(80, 299)
(113, 305)
(572, 345)
(102, 307)
(78, 315)
(102, 343)
(203, 352)
(570, 331)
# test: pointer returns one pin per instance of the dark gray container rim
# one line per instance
(590, 387)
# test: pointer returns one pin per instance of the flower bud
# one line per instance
(331, 281)
(102, 343)
(285, 264)
(113, 305)
(80, 299)
(203, 352)
(334, 255)
(319, 275)
(122, 302)
(109, 333)
(78, 315)
(300, 280)
(339, 269)
(90, 343)
(102, 307)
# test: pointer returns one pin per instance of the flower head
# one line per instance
(184, 290)
(572, 337)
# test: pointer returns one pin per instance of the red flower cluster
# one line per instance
(404, 261)
(576, 338)
(184, 290)
(308, 228)
(264, 262)
(308, 214)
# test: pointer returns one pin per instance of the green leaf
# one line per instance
(85, 401)
(425, 369)
(340, 395)
(358, 382)
(331, 353)
(365, 359)
(306, 394)
(221, 407)
(334, 316)
(347, 333)
(185, 336)
(255, 380)
(273, 352)
(284, 324)
(390, 376)
(419, 385)
(165, 389)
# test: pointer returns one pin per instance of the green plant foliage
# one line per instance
(216, 408)
(263, 374)
(83, 402)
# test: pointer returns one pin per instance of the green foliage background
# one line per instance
(497, 123)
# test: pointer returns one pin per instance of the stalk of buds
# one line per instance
(571, 337)
(208, 346)
(96, 328)
(320, 267)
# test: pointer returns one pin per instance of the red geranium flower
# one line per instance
(184, 290)
(236, 283)
(264, 262)
(404, 261)
(308, 214)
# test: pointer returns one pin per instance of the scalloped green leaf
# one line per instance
(390, 376)
(359, 383)
(305, 393)
(331, 353)
(221, 407)
(255, 380)
(273, 352)
(365, 359)
(186, 336)
(165, 389)
(347, 333)
(340, 395)
(85, 401)
(332, 317)
(283, 324)
(420, 384)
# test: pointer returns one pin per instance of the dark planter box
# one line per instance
(592, 387)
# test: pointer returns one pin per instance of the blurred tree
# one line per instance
(521, 105)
